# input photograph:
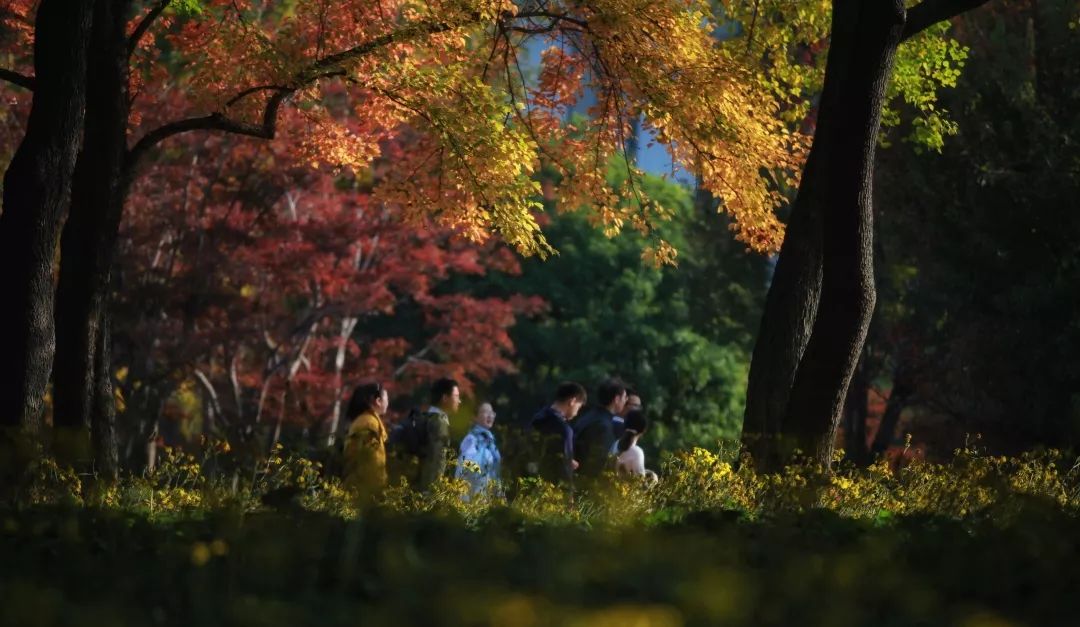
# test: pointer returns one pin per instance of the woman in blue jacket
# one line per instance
(479, 461)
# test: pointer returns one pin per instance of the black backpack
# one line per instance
(409, 436)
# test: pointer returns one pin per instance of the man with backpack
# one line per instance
(417, 444)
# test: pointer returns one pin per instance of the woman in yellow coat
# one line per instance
(365, 442)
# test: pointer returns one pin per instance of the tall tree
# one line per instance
(82, 378)
(819, 305)
(37, 185)
(450, 71)
(267, 287)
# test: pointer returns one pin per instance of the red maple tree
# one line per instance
(274, 284)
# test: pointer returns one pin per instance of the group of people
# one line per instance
(559, 445)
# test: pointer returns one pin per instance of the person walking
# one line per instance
(479, 460)
(420, 442)
(364, 451)
(631, 457)
(594, 432)
(554, 451)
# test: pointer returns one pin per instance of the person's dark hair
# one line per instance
(636, 424)
(441, 389)
(608, 390)
(568, 390)
(363, 398)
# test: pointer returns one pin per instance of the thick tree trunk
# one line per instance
(822, 295)
(82, 379)
(37, 187)
(847, 289)
(790, 307)
(792, 302)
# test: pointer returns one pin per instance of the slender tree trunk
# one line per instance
(103, 425)
(902, 389)
(37, 187)
(82, 378)
(847, 289)
(855, 413)
(790, 307)
(348, 324)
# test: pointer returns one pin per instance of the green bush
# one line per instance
(980, 540)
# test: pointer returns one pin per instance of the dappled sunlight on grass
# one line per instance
(979, 541)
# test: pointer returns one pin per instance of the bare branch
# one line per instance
(556, 17)
(930, 12)
(213, 122)
(210, 392)
(13, 77)
(145, 24)
(253, 90)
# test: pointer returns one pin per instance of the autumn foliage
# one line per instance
(268, 283)
(295, 173)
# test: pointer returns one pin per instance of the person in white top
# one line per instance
(630, 458)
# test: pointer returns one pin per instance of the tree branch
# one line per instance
(145, 24)
(323, 68)
(930, 12)
(212, 122)
(13, 77)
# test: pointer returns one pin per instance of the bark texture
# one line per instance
(822, 296)
(792, 301)
(847, 287)
(82, 378)
(37, 187)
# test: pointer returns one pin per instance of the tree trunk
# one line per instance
(792, 302)
(348, 325)
(855, 413)
(788, 316)
(37, 187)
(82, 379)
(902, 389)
(103, 423)
(847, 289)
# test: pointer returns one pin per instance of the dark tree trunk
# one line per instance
(822, 295)
(788, 316)
(37, 187)
(792, 302)
(855, 413)
(82, 379)
(103, 422)
(847, 288)
(902, 389)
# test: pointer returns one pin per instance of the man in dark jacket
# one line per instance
(555, 438)
(594, 432)
(633, 403)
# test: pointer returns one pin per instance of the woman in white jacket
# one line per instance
(630, 458)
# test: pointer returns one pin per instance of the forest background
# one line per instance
(223, 296)
(254, 282)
